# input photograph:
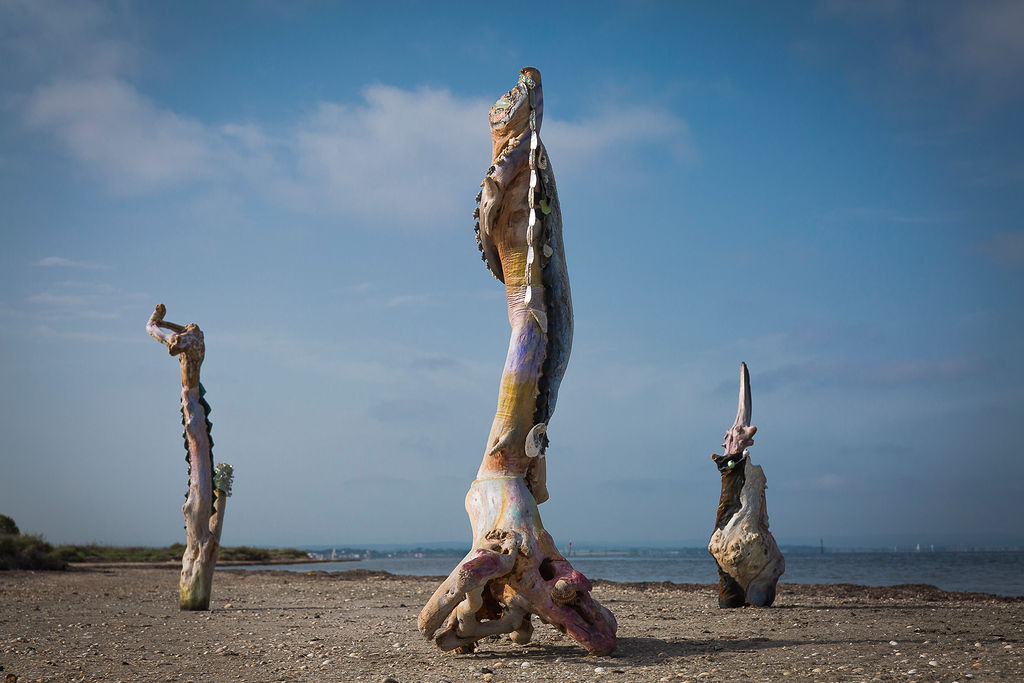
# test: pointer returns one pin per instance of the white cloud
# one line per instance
(60, 262)
(82, 300)
(134, 144)
(73, 38)
(398, 159)
(403, 159)
(410, 156)
(616, 132)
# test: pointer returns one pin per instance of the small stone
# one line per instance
(893, 643)
(488, 676)
(325, 662)
(388, 679)
(485, 670)
(932, 662)
(228, 606)
(912, 672)
(526, 664)
(599, 669)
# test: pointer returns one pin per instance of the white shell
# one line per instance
(541, 317)
(533, 217)
(533, 178)
(529, 255)
(529, 294)
(533, 140)
(534, 440)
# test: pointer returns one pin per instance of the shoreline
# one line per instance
(923, 591)
(123, 624)
(176, 564)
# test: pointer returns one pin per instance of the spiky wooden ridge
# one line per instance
(208, 489)
(749, 560)
(514, 570)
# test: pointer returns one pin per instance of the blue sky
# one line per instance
(829, 191)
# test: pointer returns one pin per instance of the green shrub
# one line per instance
(26, 551)
(7, 526)
(105, 553)
(172, 553)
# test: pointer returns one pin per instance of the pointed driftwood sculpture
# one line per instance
(514, 569)
(208, 487)
(749, 561)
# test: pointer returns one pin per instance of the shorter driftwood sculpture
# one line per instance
(208, 487)
(749, 561)
(514, 570)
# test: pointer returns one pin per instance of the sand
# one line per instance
(123, 624)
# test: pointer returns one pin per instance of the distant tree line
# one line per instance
(31, 551)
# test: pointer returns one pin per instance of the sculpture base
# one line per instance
(513, 572)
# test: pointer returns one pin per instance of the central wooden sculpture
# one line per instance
(514, 570)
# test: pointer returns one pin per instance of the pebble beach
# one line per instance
(120, 623)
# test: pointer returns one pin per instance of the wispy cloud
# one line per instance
(81, 300)
(1004, 249)
(395, 158)
(974, 45)
(401, 154)
(72, 38)
(619, 131)
(412, 300)
(60, 262)
(818, 484)
(136, 145)
(850, 373)
(401, 159)
(862, 214)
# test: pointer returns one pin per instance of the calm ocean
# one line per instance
(998, 572)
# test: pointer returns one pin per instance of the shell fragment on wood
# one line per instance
(535, 441)
(562, 592)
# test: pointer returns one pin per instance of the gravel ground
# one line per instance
(123, 624)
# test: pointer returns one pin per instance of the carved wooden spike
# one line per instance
(208, 488)
(514, 570)
(746, 408)
(749, 560)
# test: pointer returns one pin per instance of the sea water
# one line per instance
(997, 572)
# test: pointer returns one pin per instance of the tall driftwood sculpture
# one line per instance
(514, 569)
(749, 561)
(208, 487)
